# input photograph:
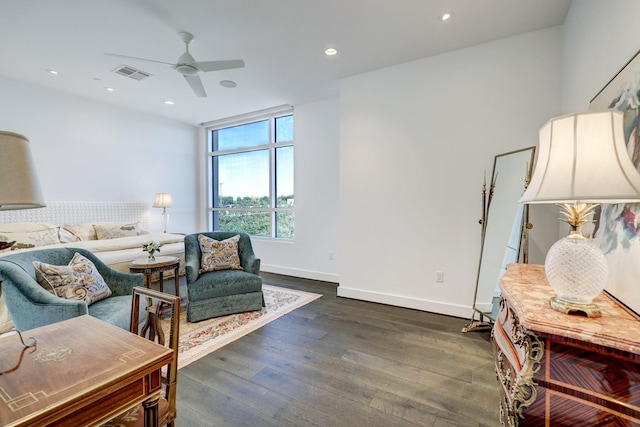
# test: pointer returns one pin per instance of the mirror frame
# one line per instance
(479, 317)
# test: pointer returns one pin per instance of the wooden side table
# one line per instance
(160, 265)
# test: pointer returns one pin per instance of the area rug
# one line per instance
(201, 338)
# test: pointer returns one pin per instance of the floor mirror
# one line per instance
(504, 231)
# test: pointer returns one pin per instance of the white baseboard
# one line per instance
(485, 307)
(378, 297)
(406, 302)
(305, 274)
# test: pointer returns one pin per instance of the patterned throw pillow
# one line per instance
(80, 280)
(30, 239)
(219, 255)
(106, 231)
(25, 227)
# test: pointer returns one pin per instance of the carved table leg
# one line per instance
(151, 411)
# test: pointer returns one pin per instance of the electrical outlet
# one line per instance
(439, 276)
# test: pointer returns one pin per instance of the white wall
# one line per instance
(415, 140)
(599, 38)
(85, 150)
(316, 206)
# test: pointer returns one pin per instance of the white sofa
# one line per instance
(113, 231)
(117, 253)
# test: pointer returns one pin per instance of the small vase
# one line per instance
(152, 256)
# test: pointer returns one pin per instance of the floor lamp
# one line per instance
(19, 186)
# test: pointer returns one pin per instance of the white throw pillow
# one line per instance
(66, 236)
(83, 232)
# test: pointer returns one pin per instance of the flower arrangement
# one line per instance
(152, 247)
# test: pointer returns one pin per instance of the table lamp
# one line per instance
(164, 201)
(19, 186)
(582, 162)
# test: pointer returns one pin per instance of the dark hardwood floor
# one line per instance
(343, 362)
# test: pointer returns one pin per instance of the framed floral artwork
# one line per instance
(617, 226)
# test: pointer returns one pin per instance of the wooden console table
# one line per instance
(563, 370)
(82, 372)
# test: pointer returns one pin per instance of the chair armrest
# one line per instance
(192, 257)
(30, 305)
(251, 264)
(122, 283)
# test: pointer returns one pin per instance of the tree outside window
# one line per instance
(252, 180)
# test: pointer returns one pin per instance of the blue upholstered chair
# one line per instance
(222, 292)
(30, 305)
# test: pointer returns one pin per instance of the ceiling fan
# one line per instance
(189, 67)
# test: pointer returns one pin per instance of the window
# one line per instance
(252, 175)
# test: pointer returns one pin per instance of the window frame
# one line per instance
(269, 115)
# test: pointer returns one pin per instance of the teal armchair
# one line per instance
(31, 306)
(222, 292)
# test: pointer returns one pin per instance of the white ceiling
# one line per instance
(281, 41)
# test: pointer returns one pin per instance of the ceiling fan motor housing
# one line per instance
(184, 66)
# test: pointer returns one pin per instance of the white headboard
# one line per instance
(74, 213)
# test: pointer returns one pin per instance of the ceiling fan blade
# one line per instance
(139, 59)
(196, 85)
(219, 65)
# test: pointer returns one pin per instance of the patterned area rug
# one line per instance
(201, 338)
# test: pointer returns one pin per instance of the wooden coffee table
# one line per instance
(82, 372)
(161, 264)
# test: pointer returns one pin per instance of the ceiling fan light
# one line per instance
(187, 70)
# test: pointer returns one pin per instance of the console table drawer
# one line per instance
(594, 376)
(567, 411)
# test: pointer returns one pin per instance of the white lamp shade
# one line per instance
(163, 200)
(19, 186)
(583, 157)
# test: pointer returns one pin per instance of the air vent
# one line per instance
(132, 73)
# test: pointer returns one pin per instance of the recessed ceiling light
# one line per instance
(54, 72)
(228, 83)
(108, 89)
(168, 102)
(446, 16)
(331, 51)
